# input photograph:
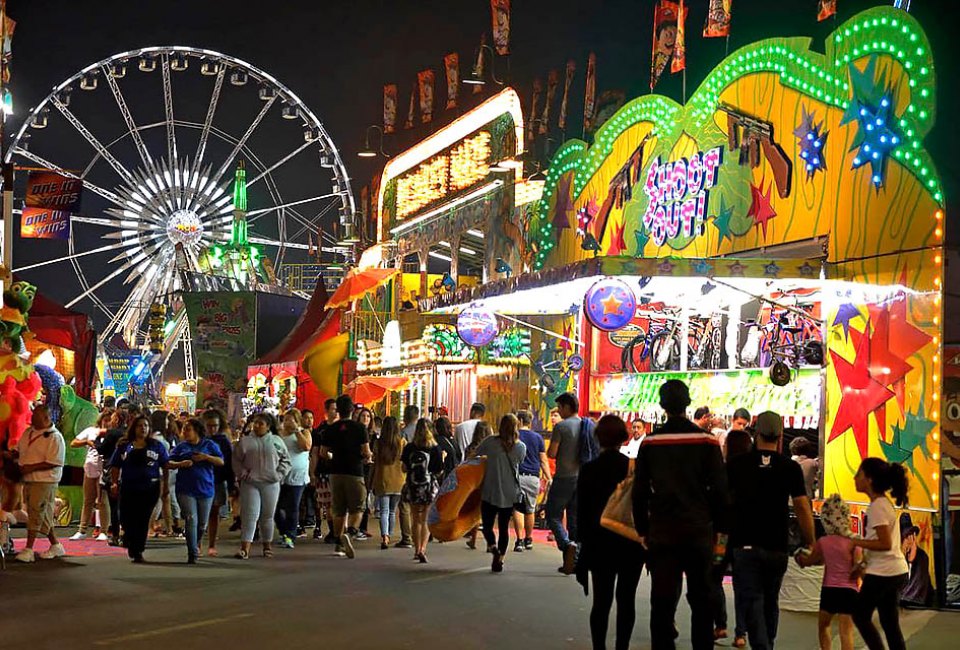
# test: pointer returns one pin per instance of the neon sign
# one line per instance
(678, 195)
(455, 170)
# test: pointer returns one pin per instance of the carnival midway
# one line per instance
(691, 346)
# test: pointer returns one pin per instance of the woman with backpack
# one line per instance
(501, 485)
(422, 462)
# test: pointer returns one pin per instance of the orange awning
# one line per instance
(370, 390)
(357, 284)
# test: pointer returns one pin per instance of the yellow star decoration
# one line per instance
(611, 305)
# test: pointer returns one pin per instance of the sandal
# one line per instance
(268, 552)
(212, 552)
(242, 555)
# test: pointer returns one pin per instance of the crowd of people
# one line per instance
(694, 500)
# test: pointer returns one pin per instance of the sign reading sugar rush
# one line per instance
(678, 194)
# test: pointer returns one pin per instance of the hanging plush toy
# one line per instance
(52, 382)
(76, 414)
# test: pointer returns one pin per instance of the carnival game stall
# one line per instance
(776, 241)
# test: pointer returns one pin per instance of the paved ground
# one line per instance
(307, 598)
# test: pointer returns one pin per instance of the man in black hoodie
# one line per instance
(679, 509)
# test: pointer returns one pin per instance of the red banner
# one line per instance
(680, 49)
(410, 112)
(534, 100)
(553, 80)
(826, 9)
(451, 63)
(425, 81)
(389, 108)
(665, 16)
(718, 19)
(501, 26)
(43, 223)
(590, 95)
(52, 190)
(571, 68)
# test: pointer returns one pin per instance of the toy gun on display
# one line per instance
(749, 135)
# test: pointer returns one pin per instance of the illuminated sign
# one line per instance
(461, 167)
(679, 192)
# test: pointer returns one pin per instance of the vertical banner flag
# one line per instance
(389, 108)
(664, 38)
(590, 95)
(52, 190)
(531, 121)
(553, 80)
(826, 9)
(425, 80)
(680, 49)
(9, 25)
(571, 68)
(452, 64)
(718, 19)
(501, 26)
(410, 112)
(44, 223)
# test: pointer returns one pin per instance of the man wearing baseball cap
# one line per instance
(762, 483)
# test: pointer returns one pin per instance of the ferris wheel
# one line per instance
(160, 177)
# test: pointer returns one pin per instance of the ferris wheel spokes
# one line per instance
(232, 157)
(278, 163)
(127, 117)
(208, 121)
(118, 167)
(107, 194)
(168, 109)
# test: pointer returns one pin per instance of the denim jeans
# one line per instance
(562, 498)
(288, 510)
(387, 503)
(196, 513)
(757, 576)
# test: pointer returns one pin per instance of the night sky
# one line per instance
(337, 56)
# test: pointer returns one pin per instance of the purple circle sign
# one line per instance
(609, 304)
(477, 326)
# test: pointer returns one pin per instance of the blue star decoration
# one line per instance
(771, 270)
(702, 267)
(845, 313)
(722, 223)
(811, 140)
(872, 107)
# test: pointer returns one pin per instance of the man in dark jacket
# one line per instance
(679, 507)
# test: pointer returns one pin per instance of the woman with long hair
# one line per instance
(614, 562)
(480, 433)
(138, 468)
(422, 462)
(260, 461)
(365, 418)
(884, 567)
(451, 454)
(298, 442)
(388, 476)
(93, 501)
(166, 515)
(218, 430)
(501, 485)
(195, 459)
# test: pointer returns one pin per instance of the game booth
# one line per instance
(776, 242)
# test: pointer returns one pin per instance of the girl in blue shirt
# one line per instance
(195, 459)
(137, 467)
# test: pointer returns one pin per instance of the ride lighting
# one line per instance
(267, 93)
(289, 112)
(117, 70)
(147, 64)
(209, 68)
(179, 63)
(325, 160)
(238, 78)
(88, 81)
(309, 134)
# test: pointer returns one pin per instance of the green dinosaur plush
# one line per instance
(76, 413)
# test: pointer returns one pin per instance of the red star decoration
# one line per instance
(565, 342)
(884, 367)
(617, 244)
(760, 208)
(861, 395)
(593, 226)
(903, 340)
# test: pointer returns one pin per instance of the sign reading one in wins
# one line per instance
(53, 191)
(41, 223)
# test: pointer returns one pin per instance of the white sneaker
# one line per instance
(53, 552)
(77, 536)
(26, 555)
(102, 537)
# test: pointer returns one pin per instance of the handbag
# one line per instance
(618, 513)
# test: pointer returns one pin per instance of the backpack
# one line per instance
(588, 447)
(419, 474)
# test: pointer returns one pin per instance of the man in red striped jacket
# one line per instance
(679, 508)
